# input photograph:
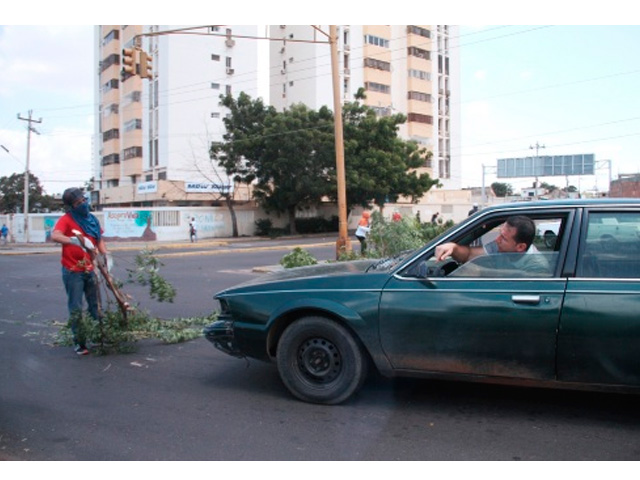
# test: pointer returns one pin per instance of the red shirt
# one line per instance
(74, 258)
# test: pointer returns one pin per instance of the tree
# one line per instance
(12, 194)
(289, 155)
(502, 189)
(379, 166)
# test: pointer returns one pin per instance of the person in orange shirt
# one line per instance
(362, 231)
(78, 273)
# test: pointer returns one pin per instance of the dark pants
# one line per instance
(363, 244)
(79, 285)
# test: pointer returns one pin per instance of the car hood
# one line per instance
(321, 270)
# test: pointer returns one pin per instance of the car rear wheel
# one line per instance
(319, 361)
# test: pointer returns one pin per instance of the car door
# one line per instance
(600, 324)
(480, 320)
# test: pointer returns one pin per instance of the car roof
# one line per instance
(574, 202)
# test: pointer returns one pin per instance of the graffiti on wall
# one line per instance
(129, 225)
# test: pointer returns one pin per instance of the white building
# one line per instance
(411, 69)
(154, 133)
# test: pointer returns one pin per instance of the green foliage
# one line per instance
(115, 335)
(12, 195)
(263, 227)
(289, 156)
(502, 189)
(381, 167)
(317, 224)
(297, 258)
(388, 238)
(146, 273)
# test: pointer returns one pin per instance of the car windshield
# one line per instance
(388, 263)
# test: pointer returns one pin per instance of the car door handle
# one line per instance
(527, 299)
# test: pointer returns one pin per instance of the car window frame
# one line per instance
(583, 230)
(566, 234)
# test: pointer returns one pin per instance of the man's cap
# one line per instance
(70, 195)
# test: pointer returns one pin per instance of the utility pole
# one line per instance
(26, 172)
(535, 165)
(343, 245)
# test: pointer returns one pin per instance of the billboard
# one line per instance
(547, 166)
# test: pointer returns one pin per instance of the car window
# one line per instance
(509, 265)
(540, 260)
(611, 248)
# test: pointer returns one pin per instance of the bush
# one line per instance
(298, 258)
(263, 227)
(390, 238)
(317, 224)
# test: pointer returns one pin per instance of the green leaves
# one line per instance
(298, 258)
(146, 273)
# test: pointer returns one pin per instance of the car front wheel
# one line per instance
(319, 361)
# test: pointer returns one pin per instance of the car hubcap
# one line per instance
(319, 360)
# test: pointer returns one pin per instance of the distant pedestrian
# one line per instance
(474, 209)
(4, 231)
(364, 226)
(434, 218)
(193, 230)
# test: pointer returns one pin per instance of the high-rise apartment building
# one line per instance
(153, 134)
(411, 69)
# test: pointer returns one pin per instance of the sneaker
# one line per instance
(81, 350)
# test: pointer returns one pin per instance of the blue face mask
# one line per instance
(82, 209)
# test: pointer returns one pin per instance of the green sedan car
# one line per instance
(490, 300)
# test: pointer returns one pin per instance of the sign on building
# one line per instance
(207, 187)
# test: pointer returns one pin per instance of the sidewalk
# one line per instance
(237, 244)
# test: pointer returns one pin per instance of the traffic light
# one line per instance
(129, 61)
(146, 65)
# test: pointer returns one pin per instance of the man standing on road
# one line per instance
(78, 250)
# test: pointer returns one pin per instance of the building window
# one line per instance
(377, 87)
(215, 114)
(419, 52)
(135, 124)
(215, 86)
(110, 110)
(421, 97)
(132, 97)
(373, 40)
(132, 152)
(162, 175)
(110, 159)
(422, 75)
(215, 28)
(111, 84)
(228, 89)
(111, 134)
(113, 59)
(215, 58)
(378, 64)
(112, 35)
(420, 118)
(423, 32)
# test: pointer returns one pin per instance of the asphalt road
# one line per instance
(191, 402)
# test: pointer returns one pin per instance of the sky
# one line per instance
(569, 88)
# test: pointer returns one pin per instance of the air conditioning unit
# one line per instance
(230, 71)
(229, 42)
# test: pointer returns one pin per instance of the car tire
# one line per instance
(320, 361)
